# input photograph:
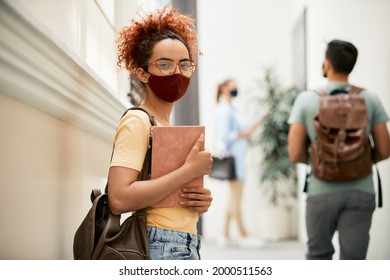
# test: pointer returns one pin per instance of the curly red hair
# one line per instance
(135, 42)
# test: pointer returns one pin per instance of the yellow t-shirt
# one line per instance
(131, 144)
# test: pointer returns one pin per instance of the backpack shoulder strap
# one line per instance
(153, 122)
(380, 200)
(321, 92)
(151, 118)
(95, 193)
(355, 90)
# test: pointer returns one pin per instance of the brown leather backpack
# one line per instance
(342, 150)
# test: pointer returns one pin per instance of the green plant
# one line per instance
(275, 165)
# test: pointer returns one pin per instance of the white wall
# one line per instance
(87, 27)
(239, 37)
(47, 169)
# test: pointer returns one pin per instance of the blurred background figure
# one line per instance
(232, 134)
(348, 201)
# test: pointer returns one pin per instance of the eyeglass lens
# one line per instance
(168, 67)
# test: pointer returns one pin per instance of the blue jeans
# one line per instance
(173, 245)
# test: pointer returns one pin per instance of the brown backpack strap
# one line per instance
(321, 92)
(355, 90)
(94, 194)
(151, 118)
(153, 122)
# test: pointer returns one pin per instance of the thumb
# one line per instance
(199, 144)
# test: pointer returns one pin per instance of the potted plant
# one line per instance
(278, 176)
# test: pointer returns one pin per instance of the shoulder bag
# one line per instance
(223, 168)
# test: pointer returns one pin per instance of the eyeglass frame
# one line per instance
(177, 65)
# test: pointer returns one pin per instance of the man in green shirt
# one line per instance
(343, 206)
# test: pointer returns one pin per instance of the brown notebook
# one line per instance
(170, 147)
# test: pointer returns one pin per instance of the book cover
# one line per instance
(170, 147)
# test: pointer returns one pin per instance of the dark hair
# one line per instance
(342, 55)
(135, 42)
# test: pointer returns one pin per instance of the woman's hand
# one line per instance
(198, 160)
(197, 199)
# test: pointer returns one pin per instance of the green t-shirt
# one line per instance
(303, 111)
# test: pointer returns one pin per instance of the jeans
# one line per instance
(173, 245)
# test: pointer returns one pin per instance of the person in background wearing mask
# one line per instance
(232, 140)
(159, 52)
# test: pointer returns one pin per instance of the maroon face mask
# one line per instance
(169, 88)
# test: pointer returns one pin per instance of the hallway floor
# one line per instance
(279, 250)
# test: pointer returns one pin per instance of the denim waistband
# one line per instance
(166, 235)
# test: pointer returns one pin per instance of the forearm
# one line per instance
(126, 193)
(301, 158)
(297, 144)
(379, 155)
(140, 194)
(381, 140)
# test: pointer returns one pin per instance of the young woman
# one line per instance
(232, 140)
(159, 51)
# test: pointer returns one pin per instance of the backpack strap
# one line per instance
(307, 178)
(380, 202)
(94, 194)
(153, 122)
(321, 92)
(151, 118)
(354, 90)
(308, 166)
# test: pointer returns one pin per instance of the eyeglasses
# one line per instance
(168, 67)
